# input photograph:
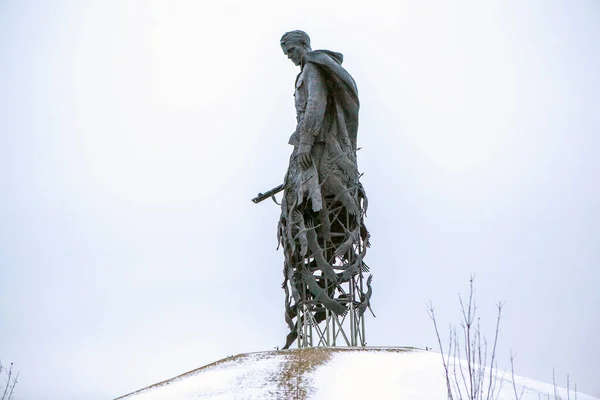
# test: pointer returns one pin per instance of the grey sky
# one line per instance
(134, 133)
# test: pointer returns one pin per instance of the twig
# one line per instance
(512, 372)
(456, 357)
(12, 388)
(499, 305)
(556, 396)
(437, 333)
(466, 325)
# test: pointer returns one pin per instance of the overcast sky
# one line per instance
(134, 133)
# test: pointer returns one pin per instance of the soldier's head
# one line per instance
(294, 44)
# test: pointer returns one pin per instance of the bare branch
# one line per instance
(7, 382)
(556, 396)
(431, 313)
(497, 395)
(512, 373)
(499, 305)
(456, 357)
(12, 388)
(471, 374)
(11, 382)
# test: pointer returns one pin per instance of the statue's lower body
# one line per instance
(324, 241)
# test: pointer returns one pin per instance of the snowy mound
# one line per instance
(330, 373)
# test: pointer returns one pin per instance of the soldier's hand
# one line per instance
(304, 159)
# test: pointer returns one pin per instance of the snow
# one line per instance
(381, 375)
(416, 375)
(250, 377)
(371, 373)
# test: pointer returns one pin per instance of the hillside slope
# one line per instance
(329, 373)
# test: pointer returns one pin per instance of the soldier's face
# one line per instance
(294, 51)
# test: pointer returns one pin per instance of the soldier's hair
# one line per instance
(295, 37)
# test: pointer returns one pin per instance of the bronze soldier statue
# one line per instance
(321, 227)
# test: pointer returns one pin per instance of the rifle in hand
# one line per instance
(271, 193)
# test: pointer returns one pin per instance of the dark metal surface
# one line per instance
(263, 196)
(321, 228)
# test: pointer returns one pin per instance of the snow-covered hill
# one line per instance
(330, 373)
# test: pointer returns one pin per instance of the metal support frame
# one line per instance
(333, 330)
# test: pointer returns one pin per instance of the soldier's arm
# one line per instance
(315, 106)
